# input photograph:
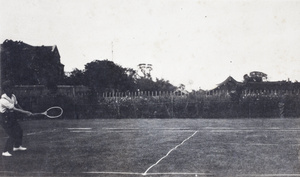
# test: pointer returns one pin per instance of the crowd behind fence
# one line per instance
(78, 102)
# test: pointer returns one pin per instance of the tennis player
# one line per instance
(8, 109)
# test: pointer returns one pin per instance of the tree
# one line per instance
(181, 87)
(76, 78)
(164, 85)
(145, 84)
(105, 75)
(146, 70)
(255, 76)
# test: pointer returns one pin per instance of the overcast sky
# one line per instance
(198, 43)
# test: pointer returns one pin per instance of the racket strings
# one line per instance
(54, 111)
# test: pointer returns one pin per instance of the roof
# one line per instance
(259, 85)
(229, 79)
(25, 46)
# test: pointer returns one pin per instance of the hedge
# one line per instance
(190, 106)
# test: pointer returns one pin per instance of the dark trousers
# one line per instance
(13, 129)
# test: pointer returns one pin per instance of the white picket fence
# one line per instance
(82, 91)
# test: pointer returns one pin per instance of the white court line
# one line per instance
(121, 128)
(265, 175)
(146, 128)
(168, 173)
(245, 130)
(132, 130)
(298, 150)
(255, 144)
(30, 134)
(7, 172)
(123, 131)
(172, 128)
(145, 173)
(135, 131)
(132, 173)
(113, 173)
(174, 173)
(229, 129)
(39, 172)
(81, 131)
(40, 132)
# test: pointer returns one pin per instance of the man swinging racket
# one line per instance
(8, 108)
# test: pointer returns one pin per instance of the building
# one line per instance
(31, 65)
(230, 85)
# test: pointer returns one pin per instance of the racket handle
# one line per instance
(36, 114)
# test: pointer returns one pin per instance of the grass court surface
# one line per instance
(156, 147)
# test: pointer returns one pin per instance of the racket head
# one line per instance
(53, 112)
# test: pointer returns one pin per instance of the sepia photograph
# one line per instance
(156, 88)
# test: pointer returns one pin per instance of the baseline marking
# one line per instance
(79, 128)
(114, 173)
(211, 129)
(148, 129)
(158, 174)
(121, 128)
(145, 173)
(40, 132)
(133, 130)
(174, 173)
(265, 175)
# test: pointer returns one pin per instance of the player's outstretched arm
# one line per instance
(28, 113)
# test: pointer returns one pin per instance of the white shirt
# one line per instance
(7, 103)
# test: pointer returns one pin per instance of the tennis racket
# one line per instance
(53, 112)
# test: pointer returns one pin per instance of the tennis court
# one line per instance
(156, 147)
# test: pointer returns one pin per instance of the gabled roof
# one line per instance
(25, 46)
(229, 79)
(282, 85)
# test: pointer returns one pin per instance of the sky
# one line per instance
(198, 43)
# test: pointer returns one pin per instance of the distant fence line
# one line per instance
(78, 102)
(82, 91)
(203, 93)
(142, 93)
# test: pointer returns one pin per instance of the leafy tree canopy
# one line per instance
(255, 76)
(106, 76)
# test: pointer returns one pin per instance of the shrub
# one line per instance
(189, 106)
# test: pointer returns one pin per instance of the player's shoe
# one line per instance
(20, 148)
(6, 154)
